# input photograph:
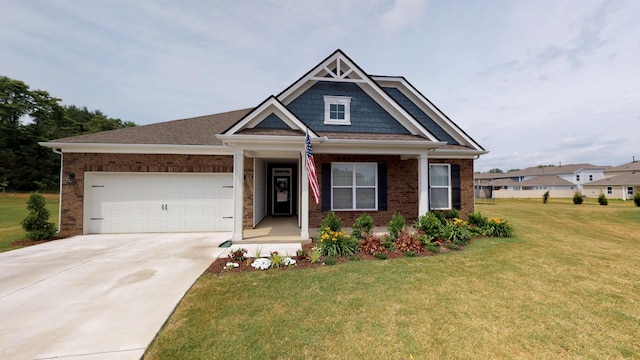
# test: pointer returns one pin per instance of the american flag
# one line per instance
(311, 171)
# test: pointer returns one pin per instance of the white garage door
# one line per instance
(144, 202)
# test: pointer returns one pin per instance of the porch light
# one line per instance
(71, 178)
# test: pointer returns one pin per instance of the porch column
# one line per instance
(304, 197)
(238, 193)
(423, 184)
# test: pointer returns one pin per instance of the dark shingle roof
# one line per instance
(199, 130)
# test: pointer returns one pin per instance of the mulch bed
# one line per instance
(218, 266)
(26, 242)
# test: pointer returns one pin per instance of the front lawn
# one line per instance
(13, 209)
(566, 286)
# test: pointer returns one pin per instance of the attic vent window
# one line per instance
(337, 110)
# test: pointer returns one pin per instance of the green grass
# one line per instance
(13, 209)
(566, 286)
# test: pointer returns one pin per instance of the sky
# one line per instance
(533, 82)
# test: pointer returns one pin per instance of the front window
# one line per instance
(629, 190)
(609, 190)
(354, 186)
(439, 186)
(337, 110)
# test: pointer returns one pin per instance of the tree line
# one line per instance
(31, 116)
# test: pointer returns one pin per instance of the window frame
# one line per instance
(337, 100)
(609, 190)
(448, 187)
(354, 186)
(629, 190)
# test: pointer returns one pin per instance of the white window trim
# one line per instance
(354, 187)
(340, 100)
(448, 187)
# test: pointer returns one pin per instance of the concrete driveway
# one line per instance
(96, 296)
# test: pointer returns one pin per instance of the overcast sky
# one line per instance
(534, 82)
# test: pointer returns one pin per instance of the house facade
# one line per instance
(379, 146)
(560, 181)
(619, 182)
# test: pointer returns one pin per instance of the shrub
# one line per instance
(577, 198)
(336, 243)
(396, 225)
(545, 197)
(389, 242)
(364, 223)
(451, 214)
(381, 256)
(457, 232)
(354, 258)
(429, 224)
(453, 247)
(410, 254)
(302, 254)
(408, 242)
(433, 248)
(425, 239)
(371, 245)
(478, 219)
(498, 227)
(636, 199)
(36, 224)
(330, 261)
(602, 200)
(331, 221)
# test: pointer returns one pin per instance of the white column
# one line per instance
(304, 197)
(423, 184)
(238, 193)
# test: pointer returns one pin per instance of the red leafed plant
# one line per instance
(238, 254)
(409, 242)
(371, 245)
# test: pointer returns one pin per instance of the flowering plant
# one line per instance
(231, 265)
(238, 254)
(261, 264)
(336, 243)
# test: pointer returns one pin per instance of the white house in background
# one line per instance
(620, 182)
(532, 182)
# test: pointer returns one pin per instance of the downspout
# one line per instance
(60, 196)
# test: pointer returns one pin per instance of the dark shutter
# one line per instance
(326, 186)
(456, 199)
(382, 187)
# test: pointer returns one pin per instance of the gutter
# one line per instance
(57, 151)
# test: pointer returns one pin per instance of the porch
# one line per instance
(275, 229)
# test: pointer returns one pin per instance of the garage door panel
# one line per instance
(137, 202)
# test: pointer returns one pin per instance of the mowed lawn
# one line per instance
(566, 286)
(13, 209)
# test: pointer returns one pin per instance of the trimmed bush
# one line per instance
(396, 225)
(429, 224)
(36, 224)
(602, 200)
(331, 221)
(363, 224)
(636, 199)
(545, 197)
(577, 198)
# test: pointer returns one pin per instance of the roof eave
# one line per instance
(138, 148)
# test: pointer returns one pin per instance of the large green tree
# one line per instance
(31, 116)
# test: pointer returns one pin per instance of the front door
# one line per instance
(281, 198)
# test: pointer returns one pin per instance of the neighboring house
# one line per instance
(380, 147)
(620, 182)
(532, 182)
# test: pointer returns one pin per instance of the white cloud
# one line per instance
(403, 14)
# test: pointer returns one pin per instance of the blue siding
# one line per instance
(273, 122)
(419, 115)
(367, 116)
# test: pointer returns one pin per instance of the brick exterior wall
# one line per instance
(71, 219)
(402, 188)
(466, 183)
